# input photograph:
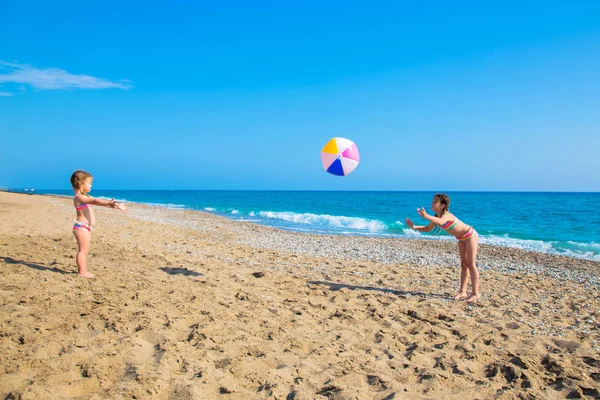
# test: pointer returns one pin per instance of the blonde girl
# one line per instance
(85, 220)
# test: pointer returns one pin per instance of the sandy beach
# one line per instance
(189, 305)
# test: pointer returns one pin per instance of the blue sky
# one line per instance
(243, 95)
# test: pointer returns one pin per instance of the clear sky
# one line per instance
(437, 95)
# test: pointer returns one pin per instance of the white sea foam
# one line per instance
(588, 255)
(593, 246)
(210, 209)
(235, 212)
(411, 233)
(334, 221)
(250, 220)
(118, 200)
(589, 251)
(505, 240)
(167, 205)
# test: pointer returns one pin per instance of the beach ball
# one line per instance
(340, 156)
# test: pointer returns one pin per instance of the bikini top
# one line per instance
(448, 225)
(82, 206)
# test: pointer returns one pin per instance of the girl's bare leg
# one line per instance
(471, 255)
(464, 272)
(83, 237)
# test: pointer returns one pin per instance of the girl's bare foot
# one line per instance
(472, 298)
(460, 295)
(86, 274)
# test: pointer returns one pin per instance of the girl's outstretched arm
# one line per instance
(420, 228)
(100, 202)
(431, 218)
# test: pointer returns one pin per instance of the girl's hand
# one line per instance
(422, 212)
(120, 206)
(410, 223)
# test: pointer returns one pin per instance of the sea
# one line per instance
(556, 223)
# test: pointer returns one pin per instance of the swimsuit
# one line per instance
(82, 225)
(468, 235)
(448, 225)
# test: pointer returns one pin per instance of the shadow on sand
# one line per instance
(337, 286)
(39, 267)
(180, 271)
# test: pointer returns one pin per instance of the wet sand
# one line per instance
(188, 305)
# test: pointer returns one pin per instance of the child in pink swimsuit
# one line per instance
(467, 237)
(84, 223)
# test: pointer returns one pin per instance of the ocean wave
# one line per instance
(411, 233)
(589, 251)
(166, 205)
(119, 200)
(592, 246)
(355, 223)
(507, 241)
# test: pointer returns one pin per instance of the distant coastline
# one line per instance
(18, 190)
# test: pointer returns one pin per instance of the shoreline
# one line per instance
(188, 304)
(528, 254)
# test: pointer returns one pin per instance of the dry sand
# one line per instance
(188, 305)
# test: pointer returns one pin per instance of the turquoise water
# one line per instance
(559, 223)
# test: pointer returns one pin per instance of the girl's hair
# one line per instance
(78, 178)
(443, 199)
